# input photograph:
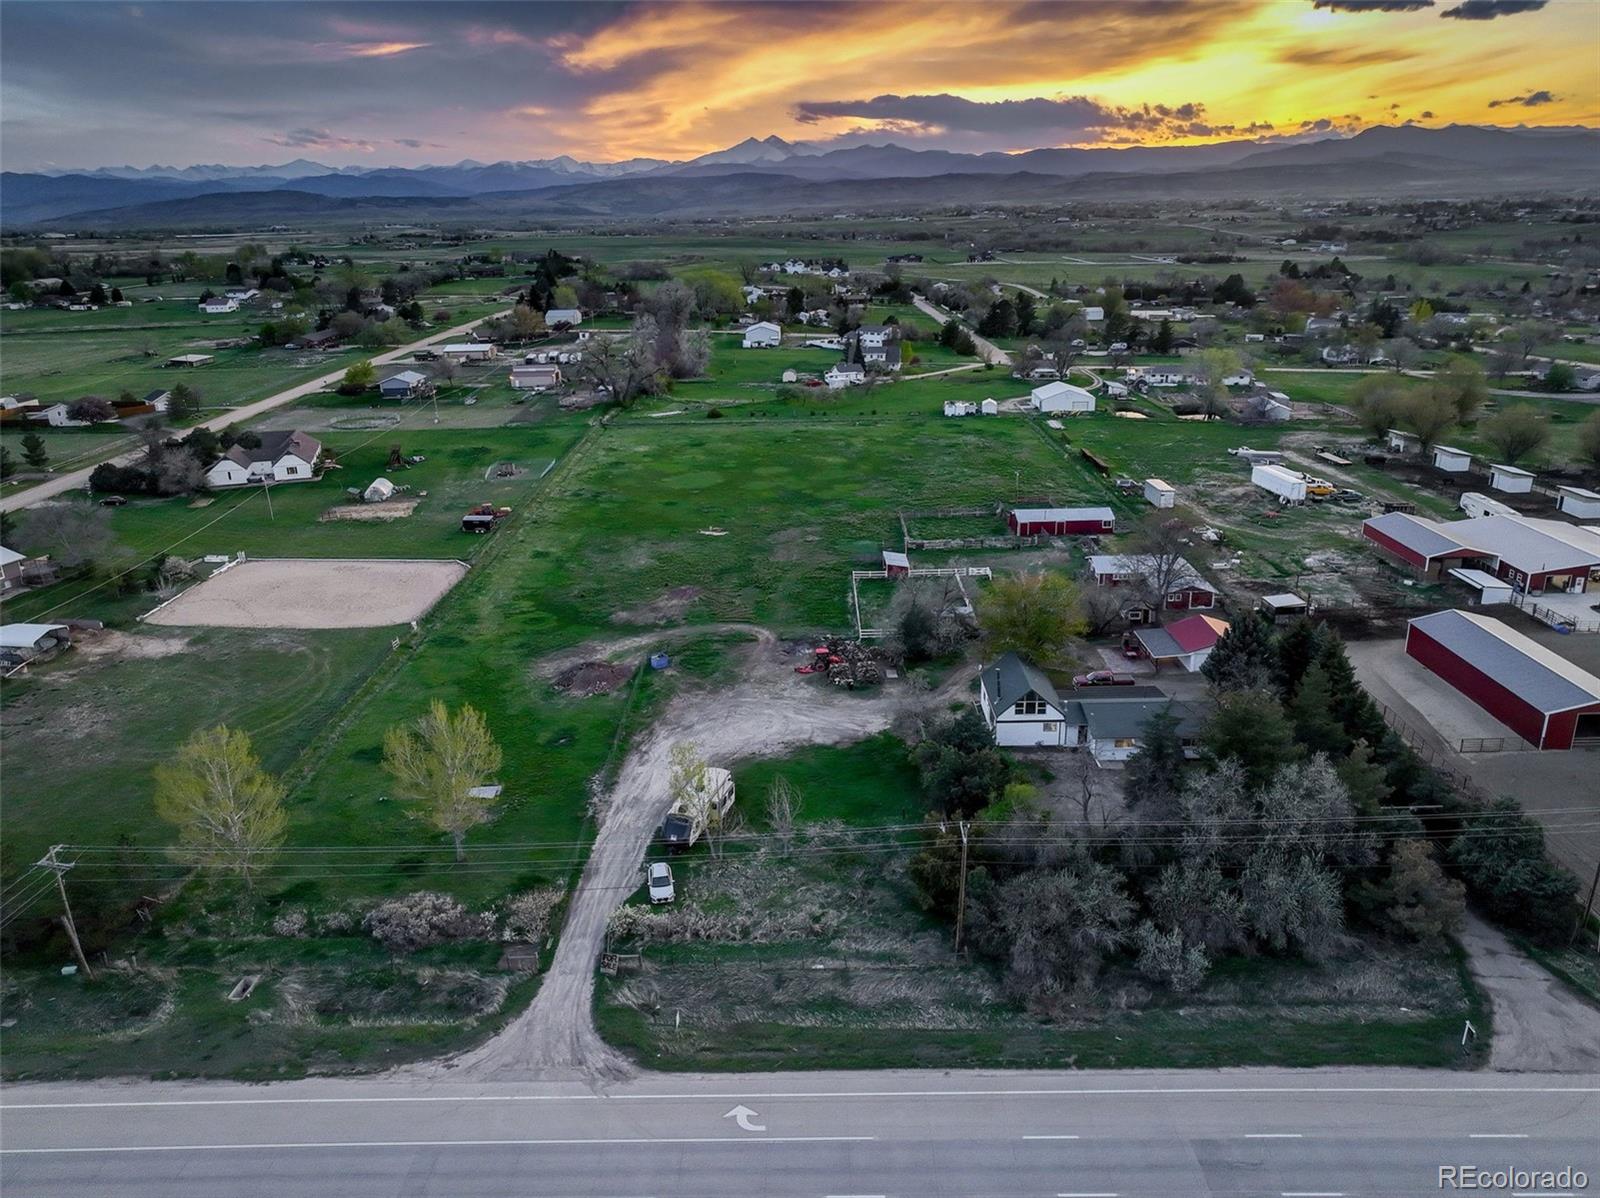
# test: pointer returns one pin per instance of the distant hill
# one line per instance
(771, 176)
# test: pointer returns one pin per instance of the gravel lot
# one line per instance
(313, 593)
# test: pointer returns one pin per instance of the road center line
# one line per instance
(1313, 1194)
(1273, 1135)
(1084, 1092)
(312, 1144)
(1498, 1135)
(1088, 1194)
(1049, 1137)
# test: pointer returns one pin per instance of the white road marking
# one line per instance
(1498, 1135)
(1049, 1137)
(434, 1144)
(1313, 1194)
(1543, 1194)
(1273, 1135)
(1132, 1092)
(1089, 1194)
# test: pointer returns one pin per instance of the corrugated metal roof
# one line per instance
(1037, 514)
(1425, 537)
(1520, 664)
(1533, 546)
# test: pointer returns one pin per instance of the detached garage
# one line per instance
(1542, 697)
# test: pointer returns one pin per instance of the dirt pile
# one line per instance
(591, 678)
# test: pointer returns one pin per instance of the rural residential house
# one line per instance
(1187, 589)
(219, 305)
(1025, 711)
(408, 384)
(764, 334)
(471, 351)
(844, 374)
(281, 457)
(874, 347)
(1539, 695)
(1061, 397)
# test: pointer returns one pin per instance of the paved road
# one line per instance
(987, 350)
(1240, 1133)
(77, 479)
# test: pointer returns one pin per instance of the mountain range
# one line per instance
(770, 175)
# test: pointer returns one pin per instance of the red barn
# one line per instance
(896, 565)
(1061, 521)
(1542, 697)
(1423, 546)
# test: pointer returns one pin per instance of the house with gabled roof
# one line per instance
(1021, 706)
(280, 457)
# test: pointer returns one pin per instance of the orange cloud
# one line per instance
(381, 49)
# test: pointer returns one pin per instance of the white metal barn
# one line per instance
(1062, 397)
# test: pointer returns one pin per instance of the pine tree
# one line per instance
(1316, 726)
(1244, 659)
(1251, 728)
(1298, 646)
(1162, 342)
(1365, 779)
(34, 452)
(1154, 774)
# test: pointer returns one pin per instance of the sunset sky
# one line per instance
(92, 84)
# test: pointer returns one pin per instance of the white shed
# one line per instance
(1062, 397)
(379, 490)
(1489, 589)
(790, 376)
(1451, 460)
(1400, 441)
(991, 407)
(1159, 493)
(1576, 501)
(1511, 480)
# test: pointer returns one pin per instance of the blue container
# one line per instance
(659, 661)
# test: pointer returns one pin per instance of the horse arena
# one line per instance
(313, 593)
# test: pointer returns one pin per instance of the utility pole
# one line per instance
(961, 900)
(60, 868)
(1588, 906)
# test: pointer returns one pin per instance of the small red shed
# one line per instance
(1539, 695)
(896, 565)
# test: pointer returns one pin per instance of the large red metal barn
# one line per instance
(1542, 697)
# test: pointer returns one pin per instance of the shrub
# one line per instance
(421, 919)
(528, 914)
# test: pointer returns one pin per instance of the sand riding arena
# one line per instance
(313, 593)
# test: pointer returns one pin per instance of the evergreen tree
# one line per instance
(1161, 343)
(1244, 658)
(1316, 726)
(1251, 728)
(1154, 774)
(1365, 779)
(34, 453)
(1025, 314)
(1298, 646)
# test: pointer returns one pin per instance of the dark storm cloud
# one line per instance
(1488, 10)
(1039, 117)
(1373, 5)
(1531, 100)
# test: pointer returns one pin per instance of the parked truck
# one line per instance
(1288, 485)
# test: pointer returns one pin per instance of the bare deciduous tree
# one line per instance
(783, 812)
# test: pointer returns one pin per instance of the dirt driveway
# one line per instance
(770, 712)
(1540, 1026)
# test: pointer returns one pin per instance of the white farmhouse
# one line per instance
(219, 305)
(282, 457)
(1021, 706)
(844, 374)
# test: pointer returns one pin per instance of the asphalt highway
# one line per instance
(1240, 1133)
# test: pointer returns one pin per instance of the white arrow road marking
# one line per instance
(743, 1116)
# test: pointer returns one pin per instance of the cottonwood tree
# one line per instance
(1516, 432)
(92, 409)
(1378, 402)
(71, 534)
(1062, 924)
(1034, 614)
(359, 376)
(1462, 382)
(228, 812)
(1428, 415)
(436, 762)
(1589, 439)
(1159, 547)
(622, 366)
(689, 785)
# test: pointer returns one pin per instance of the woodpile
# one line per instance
(845, 662)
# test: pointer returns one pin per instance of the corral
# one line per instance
(313, 593)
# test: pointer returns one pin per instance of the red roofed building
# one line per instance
(1188, 641)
